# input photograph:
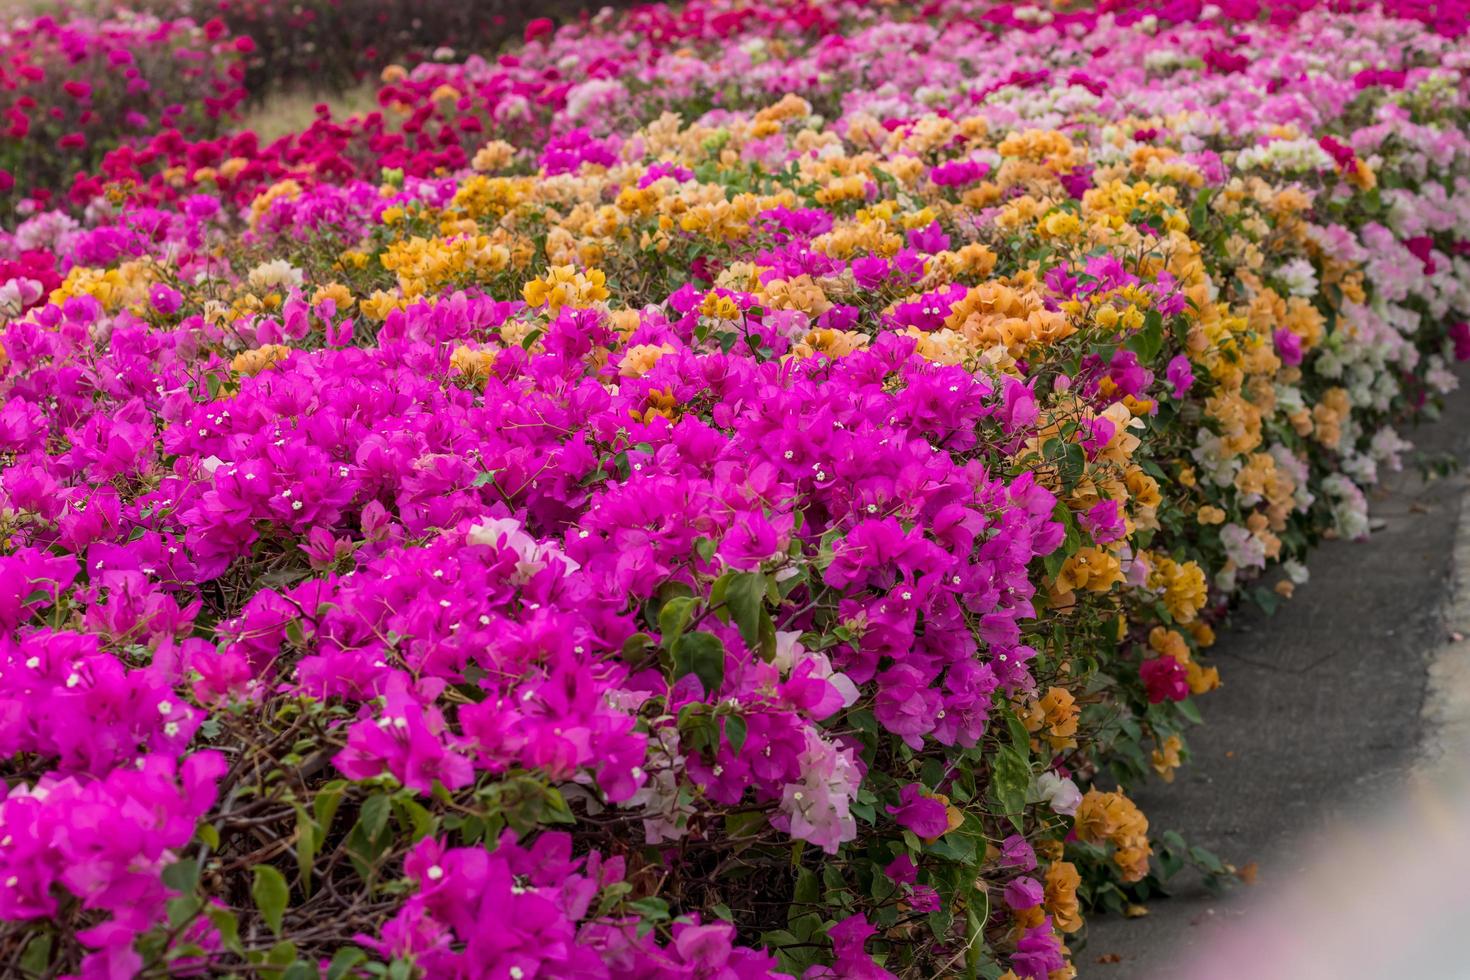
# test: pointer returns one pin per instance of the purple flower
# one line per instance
(906, 705)
(924, 898)
(930, 239)
(850, 960)
(1165, 679)
(1023, 893)
(1104, 521)
(1038, 953)
(1127, 374)
(901, 869)
(1460, 335)
(925, 816)
(1180, 375)
(870, 271)
(1016, 853)
(1288, 347)
(1422, 248)
(1098, 433)
(953, 173)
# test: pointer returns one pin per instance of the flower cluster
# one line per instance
(728, 490)
(71, 90)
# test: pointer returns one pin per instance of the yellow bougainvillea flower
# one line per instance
(1114, 818)
(1165, 758)
(473, 364)
(256, 360)
(1089, 568)
(639, 359)
(563, 285)
(1183, 585)
(1062, 881)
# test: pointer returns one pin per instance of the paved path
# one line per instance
(1322, 715)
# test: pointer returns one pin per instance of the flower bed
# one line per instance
(71, 90)
(760, 507)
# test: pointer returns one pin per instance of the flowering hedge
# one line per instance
(73, 89)
(759, 512)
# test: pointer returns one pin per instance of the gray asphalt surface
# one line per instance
(1319, 717)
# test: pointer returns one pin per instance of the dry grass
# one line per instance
(293, 109)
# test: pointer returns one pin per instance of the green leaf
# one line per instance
(939, 924)
(37, 955)
(805, 927)
(271, 895)
(1199, 213)
(343, 960)
(1073, 463)
(182, 876)
(1020, 738)
(653, 908)
(324, 807)
(301, 970)
(674, 618)
(745, 825)
(1190, 710)
(183, 910)
(768, 638)
(1207, 860)
(1148, 341)
(635, 645)
(808, 889)
(374, 815)
(735, 732)
(419, 817)
(307, 836)
(745, 595)
(703, 655)
(282, 953)
(1010, 778)
(976, 916)
(827, 548)
(1170, 863)
(227, 924)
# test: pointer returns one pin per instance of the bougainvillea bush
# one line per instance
(72, 89)
(755, 502)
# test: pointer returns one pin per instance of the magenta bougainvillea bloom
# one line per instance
(1165, 679)
(924, 816)
(1180, 375)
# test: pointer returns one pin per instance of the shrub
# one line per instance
(765, 509)
(72, 90)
